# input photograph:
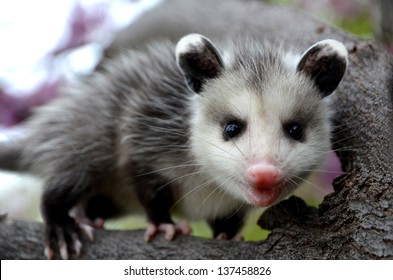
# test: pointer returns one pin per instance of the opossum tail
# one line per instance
(11, 155)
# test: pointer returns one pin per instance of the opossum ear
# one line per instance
(198, 59)
(325, 63)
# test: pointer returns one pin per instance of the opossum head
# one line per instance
(260, 122)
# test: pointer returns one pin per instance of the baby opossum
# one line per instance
(191, 128)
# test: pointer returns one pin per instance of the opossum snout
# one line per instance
(263, 174)
(264, 183)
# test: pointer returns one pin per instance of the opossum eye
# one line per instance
(294, 131)
(232, 129)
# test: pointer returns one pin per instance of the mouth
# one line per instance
(263, 197)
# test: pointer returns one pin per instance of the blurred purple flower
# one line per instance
(84, 22)
(15, 108)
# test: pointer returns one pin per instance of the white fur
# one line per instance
(337, 46)
(291, 60)
(189, 42)
(331, 46)
(227, 58)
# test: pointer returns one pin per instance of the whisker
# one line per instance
(237, 210)
(184, 176)
(215, 189)
(175, 132)
(169, 168)
(233, 142)
(197, 188)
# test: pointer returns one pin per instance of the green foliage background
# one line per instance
(358, 23)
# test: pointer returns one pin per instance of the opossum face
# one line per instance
(259, 126)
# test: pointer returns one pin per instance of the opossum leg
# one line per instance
(169, 230)
(156, 198)
(61, 193)
(228, 227)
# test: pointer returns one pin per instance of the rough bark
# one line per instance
(355, 222)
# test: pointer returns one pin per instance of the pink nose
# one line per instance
(263, 175)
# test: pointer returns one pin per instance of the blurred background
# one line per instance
(46, 43)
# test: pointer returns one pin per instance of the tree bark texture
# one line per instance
(354, 222)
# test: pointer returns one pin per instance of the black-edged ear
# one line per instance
(325, 63)
(198, 59)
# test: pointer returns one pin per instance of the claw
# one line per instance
(238, 237)
(62, 243)
(87, 230)
(224, 236)
(63, 251)
(49, 253)
(150, 232)
(99, 223)
(78, 247)
(184, 228)
(76, 244)
(170, 230)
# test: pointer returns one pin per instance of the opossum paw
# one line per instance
(169, 230)
(65, 237)
(96, 223)
(224, 236)
(238, 237)
(81, 218)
